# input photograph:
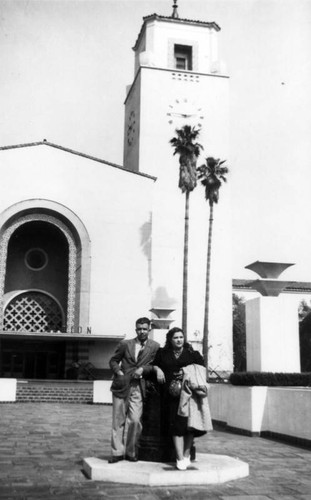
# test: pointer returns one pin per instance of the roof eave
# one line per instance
(303, 287)
(77, 153)
(152, 17)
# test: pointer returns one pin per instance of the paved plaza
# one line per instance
(42, 446)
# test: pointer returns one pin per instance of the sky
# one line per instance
(65, 65)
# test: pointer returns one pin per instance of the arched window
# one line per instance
(33, 311)
(45, 247)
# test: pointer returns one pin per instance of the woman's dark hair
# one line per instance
(170, 334)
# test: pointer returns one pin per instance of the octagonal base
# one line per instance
(207, 469)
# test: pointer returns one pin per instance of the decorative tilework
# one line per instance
(5, 238)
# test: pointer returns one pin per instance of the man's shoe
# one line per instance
(113, 460)
(131, 459)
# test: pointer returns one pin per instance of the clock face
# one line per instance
(131, 128)
(183, 112)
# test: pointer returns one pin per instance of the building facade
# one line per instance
(88, 246)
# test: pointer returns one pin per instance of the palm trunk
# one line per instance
(185, 268)
(207, 289)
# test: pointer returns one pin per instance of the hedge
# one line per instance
(271, 379)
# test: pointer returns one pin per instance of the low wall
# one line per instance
(282, 412)
(54, 391)
(7, 390)
(101, 392)
(289, 411)
(268, 411)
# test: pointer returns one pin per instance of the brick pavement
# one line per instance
(42, 446)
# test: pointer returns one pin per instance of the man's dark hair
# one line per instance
(141, 321)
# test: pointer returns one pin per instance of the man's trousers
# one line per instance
(126, 422)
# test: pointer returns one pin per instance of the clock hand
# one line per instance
(183, 115)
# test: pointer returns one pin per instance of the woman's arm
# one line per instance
(157, 364)
(198, 358)
(159, 374)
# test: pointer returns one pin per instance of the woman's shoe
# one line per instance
(181, 464)
(115, 459)
(187, 461)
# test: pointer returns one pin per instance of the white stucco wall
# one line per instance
(241, 408)
(7, 390)
(289, 411)
(114, 206)
(101, 392)
(272, 334)
(159, 35)
(130, 271)
(280, 410)
(211, 93)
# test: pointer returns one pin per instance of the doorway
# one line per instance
(32, 359)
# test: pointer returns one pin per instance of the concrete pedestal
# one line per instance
(272, 334)
(154, 445)
(208, 469)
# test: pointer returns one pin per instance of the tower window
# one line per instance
(183, 57)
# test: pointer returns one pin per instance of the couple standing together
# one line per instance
(180, 370)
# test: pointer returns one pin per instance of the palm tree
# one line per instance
(188, 150)
(211, 175)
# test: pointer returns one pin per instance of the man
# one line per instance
(130, 363)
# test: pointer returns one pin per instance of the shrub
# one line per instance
(271, 379)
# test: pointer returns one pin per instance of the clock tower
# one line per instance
(179, 80)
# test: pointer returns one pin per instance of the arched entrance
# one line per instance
(39, 251)
(41, 268)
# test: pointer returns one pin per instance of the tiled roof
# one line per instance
(293, 286)
(174, 20)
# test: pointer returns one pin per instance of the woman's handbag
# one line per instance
(174, 388)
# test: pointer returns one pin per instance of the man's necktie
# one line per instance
(142, 346)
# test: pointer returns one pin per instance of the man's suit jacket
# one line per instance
(124, 359)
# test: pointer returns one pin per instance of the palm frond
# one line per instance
(188, 150)
(212, 174)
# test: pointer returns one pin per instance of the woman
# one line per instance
(168, 365)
